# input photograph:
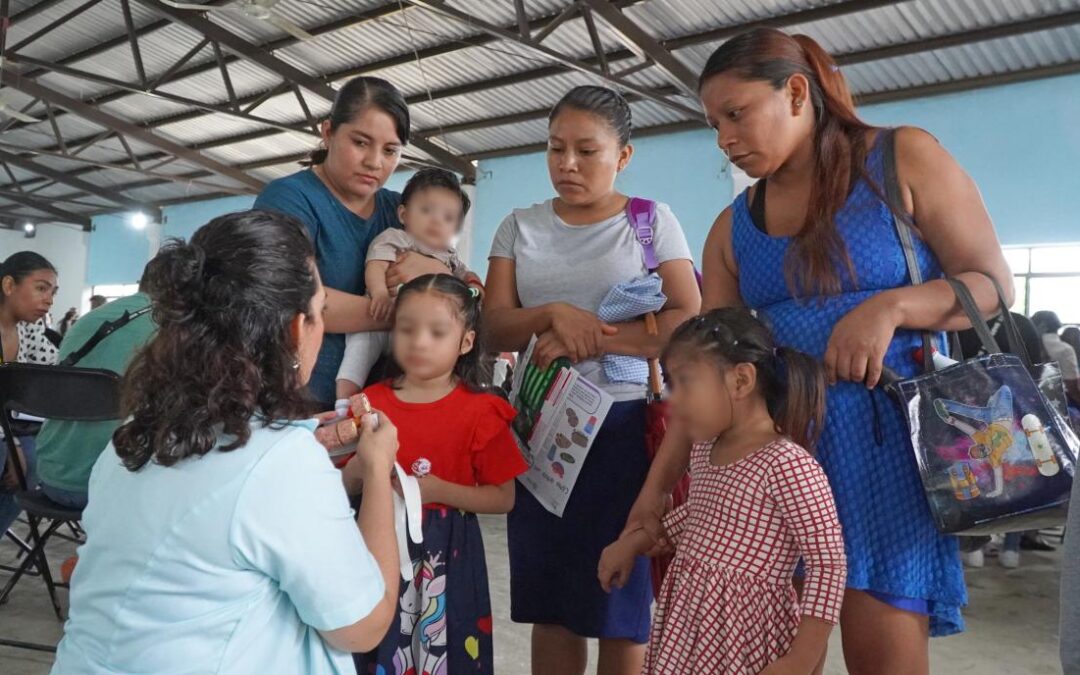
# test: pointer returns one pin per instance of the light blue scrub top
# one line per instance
(228, 563)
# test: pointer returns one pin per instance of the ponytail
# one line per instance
(799, 401)
(792, 383)
(767, 54)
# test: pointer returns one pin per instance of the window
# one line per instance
(1047, 278)
(114, 291)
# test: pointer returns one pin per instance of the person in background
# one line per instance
(67, 451)
(971, 347)
(70, 317)
(342, 202)
(97, 301)
(1071, 336)
(1049, 326)
(28, 286)
(219, 537)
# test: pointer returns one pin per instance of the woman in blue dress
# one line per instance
(342, 201)
(820, 259)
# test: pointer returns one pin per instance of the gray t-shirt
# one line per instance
(578, 265)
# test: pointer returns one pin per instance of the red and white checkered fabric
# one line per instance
(728, 604)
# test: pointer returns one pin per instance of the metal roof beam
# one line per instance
(636, 39)
(290, 73)
(438, 7)
(63, 178)
(54, 212)
(400, 59)
(109, 121)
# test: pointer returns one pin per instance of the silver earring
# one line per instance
(296, 364)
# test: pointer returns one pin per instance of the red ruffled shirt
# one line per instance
(466, 436)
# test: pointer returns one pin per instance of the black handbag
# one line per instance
(991, 435)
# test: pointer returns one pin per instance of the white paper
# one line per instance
(559, 440)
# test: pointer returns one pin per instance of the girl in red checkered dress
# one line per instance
(758, 503)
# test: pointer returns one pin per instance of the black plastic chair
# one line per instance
(56, 393)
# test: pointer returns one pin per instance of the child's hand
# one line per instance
(616, 563)
(382, 305)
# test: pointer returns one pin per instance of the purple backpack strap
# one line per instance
(642, 214)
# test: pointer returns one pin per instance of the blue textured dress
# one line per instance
(893, 547)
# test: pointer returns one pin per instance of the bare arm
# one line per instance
(376, 522)
(473, 498)
(952, 219)
(683, 302)
(719, 273)
(375, 277)
(509, 326)
(348, 313)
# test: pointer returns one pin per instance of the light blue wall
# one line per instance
(182, 220)
(685, 170)
(1021, 144)
(117, 252)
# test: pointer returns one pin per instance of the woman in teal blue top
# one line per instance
(341, 200)
(219, 537)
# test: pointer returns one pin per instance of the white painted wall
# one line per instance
(66, 248)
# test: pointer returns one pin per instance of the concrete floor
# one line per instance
(1012, 619)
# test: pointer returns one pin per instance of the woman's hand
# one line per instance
(581, 333)
(856, 351)
(377, 448)
(411, 265)
(647, 514)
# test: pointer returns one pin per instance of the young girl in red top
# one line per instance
(758, 502)
(455, 437)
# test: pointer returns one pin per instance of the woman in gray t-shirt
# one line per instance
(551, 266)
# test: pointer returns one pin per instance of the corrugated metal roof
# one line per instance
(475, 77)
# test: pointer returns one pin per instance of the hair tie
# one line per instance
(474, 292)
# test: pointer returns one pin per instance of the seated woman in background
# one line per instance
(219, 535)
(28, 285)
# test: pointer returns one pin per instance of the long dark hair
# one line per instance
(792, 383)
(20, 265)
(474, 368)
(770, 55)
(360, 93)
(607, 104)
(223, 353)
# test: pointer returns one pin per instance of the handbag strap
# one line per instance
(895, 202)
(1016, 339)
(971, 309)
(104, 330)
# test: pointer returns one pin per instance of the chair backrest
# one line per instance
(59, 393)
(54, 392)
